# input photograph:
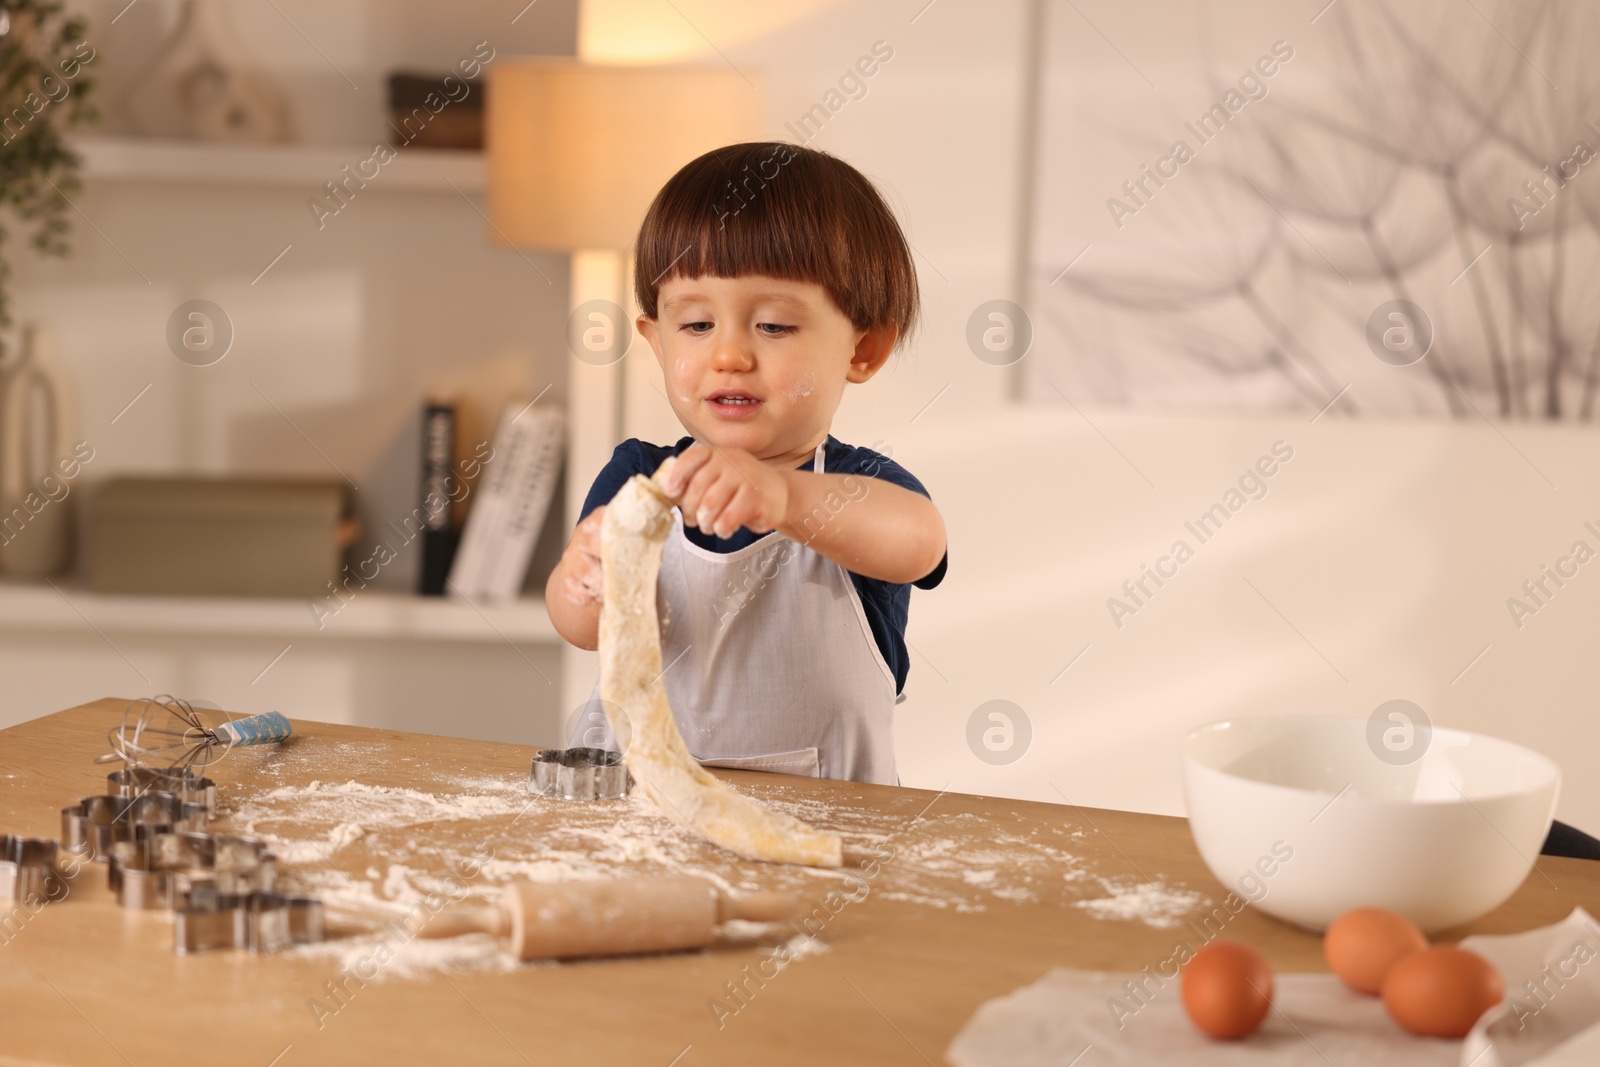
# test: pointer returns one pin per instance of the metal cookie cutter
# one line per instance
(259, 921)
(581, 774)
(94, 824)
(161, 871)
(27, 867)
(181, 782)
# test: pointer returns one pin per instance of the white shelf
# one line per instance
(368, 615)
(301, 166)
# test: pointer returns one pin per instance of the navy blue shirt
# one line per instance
(887, 603)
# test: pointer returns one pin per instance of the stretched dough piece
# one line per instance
(636, 525)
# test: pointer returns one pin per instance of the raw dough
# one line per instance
(636, 525)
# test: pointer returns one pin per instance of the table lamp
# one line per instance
(576, 153)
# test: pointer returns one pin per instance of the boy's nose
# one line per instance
(731, 353)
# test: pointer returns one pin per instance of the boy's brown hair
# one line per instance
(769, 207)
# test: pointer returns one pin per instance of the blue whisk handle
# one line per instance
(256, 729)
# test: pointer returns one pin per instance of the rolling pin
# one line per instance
(609, 918)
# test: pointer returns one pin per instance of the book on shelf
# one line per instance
(438, 528)
(513, 499)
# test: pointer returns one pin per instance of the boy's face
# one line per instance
(759, 363)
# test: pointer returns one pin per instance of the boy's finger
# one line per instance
(715, 482)
(730, 519)
(705, 474)
(714, 502)
(697, 503)
(688, 499)
(746, 509)
(751, 511)
(692, 500)
(690, 460)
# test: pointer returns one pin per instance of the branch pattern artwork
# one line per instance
(1396, 215)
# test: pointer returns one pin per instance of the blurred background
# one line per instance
(1303, 288)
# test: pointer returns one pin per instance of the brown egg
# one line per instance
(1227, 989)
(1363, 944)
(1441, 991)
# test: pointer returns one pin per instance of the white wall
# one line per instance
(1390, 550)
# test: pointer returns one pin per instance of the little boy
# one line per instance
(769, 276)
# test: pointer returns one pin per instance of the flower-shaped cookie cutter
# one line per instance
(258, 921)
(27, 868)
(181, 782)
(94, 824)
(163, 871)
(581, 774)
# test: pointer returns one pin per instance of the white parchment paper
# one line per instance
(1066, 1017)
(1089, 1019)
(1552, 978)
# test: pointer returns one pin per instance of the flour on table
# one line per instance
(1151, 903)
(312, 849)
(375, 853)
(376, 958)
(802, 945)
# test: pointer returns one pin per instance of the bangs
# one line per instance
(788, 212)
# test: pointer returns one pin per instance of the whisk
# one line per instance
(169, 735)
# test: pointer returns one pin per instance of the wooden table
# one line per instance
(978, 899)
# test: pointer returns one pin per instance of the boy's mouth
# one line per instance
(732, 403)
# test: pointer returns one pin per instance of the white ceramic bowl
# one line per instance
(1301, 816)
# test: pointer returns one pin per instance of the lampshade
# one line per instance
(577, 151)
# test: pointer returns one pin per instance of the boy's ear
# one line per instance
(648, 327)
(872, 352)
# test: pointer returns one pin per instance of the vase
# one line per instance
(36, 433)
(201, 85)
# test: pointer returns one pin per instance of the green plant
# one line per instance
(44, 89)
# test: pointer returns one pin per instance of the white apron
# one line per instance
(770, 663)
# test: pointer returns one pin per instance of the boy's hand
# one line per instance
(585, 578)
(722, 489)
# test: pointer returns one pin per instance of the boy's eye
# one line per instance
(766, 329)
